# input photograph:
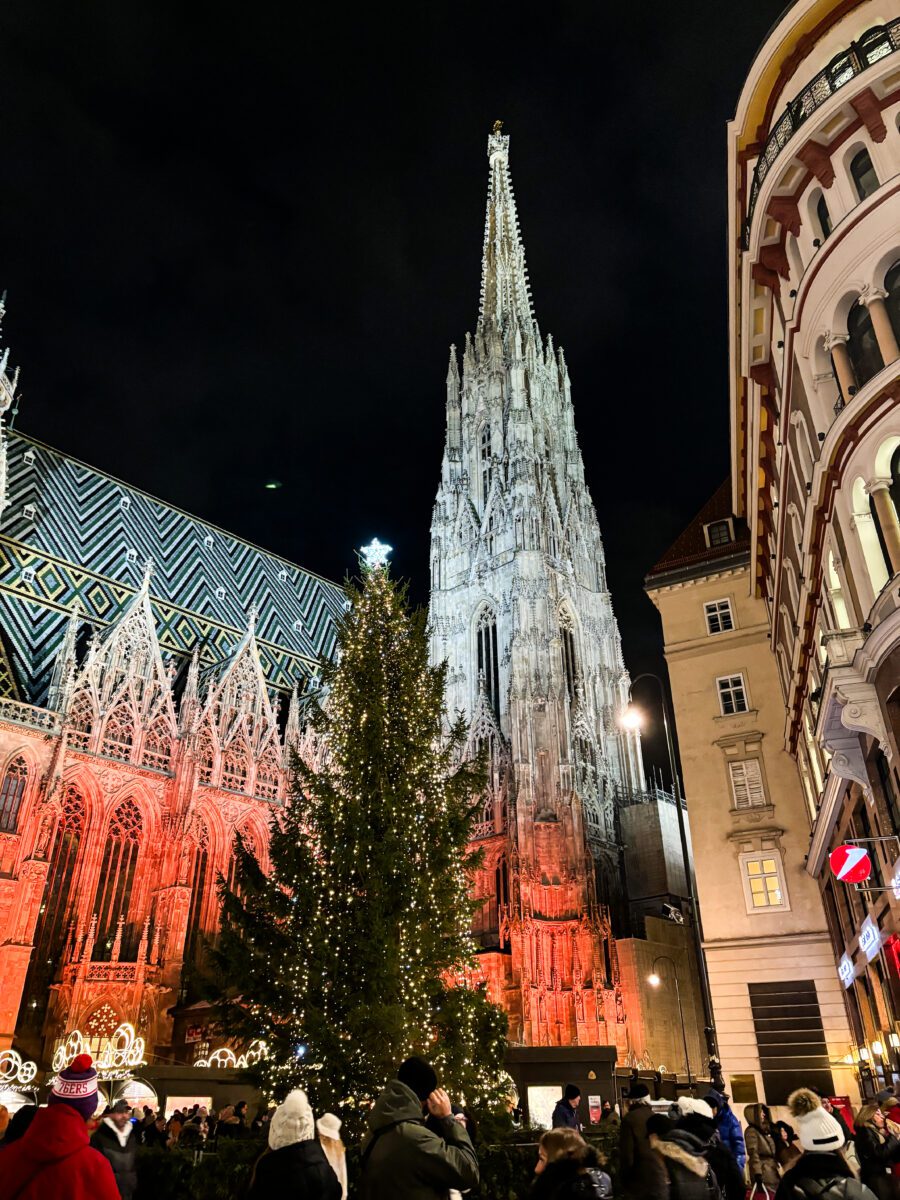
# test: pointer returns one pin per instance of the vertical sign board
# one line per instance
(869, 938)
(846, 973)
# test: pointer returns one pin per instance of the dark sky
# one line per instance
(239, 238)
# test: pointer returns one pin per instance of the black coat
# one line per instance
(297, 1172)
(122, 1159)
(565, 1116)
(569, 1179)
(876, 1155)
(729, 1175)
(813, 1166)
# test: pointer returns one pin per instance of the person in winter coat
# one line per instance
(877, 1151)
(643, 1174)
(116, 1140)
(565, 1115)
(328, 1127)
(294, 1164)
(821, 1165)
(759, 1140)
(18, 1124)
(690, 1177)
(568, 1169)
(696, 1118)
(156, 1136)
(727, 1124)
(54, 1157)
(787, 1148)
(404, 1160)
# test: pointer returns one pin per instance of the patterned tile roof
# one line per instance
(70, 532)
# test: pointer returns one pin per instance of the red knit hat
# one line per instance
(77, 1086)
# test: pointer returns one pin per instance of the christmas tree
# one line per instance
(353, 949)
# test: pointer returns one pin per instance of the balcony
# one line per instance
(28, 714)
(875, 44)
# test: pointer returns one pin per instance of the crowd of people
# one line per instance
(420, 1146)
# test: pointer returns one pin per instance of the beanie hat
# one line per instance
(77, 1086)
(291, 1122)
(419, 1077)
(687, 1104)
(572, 1092)
(816, 1128)
(329, 1126)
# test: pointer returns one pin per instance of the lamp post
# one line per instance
(654, 980)
(632, 719)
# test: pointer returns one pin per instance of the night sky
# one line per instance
(238, 240)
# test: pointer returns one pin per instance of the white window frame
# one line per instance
(757, 856)
(720, 679)
(745, 774)
(715, 609)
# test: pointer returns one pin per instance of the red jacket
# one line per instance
(55, 1161)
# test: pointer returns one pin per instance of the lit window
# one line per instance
(747, 789)
(732, 694)
(718, 616)
(763, 883)
(718, 533)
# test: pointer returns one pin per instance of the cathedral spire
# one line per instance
(505, 294)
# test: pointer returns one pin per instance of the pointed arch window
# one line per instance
(234, 768)
(488, 659)
(569, 659)
(118, 734)
(267, 777)
(157, 751)
(863, 173)
(249, 841)
(11, 793)
(117, 873)
(206, 759)
(485, 461)
(199, 887)
(862, 346)
(81, 720)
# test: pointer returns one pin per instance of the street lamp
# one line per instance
(632, 718)
(655, 980)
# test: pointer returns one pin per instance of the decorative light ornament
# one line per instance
(15, 1071)
(376, 554)
(123, 1051)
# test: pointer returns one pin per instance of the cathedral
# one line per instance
(521, 611)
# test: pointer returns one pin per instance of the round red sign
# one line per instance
(850, 864)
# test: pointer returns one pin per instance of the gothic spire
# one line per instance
(505, 294)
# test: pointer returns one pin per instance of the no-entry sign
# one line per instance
(850, 864)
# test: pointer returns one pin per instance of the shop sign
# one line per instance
(846, 971)
(869, 938)
(850, 864)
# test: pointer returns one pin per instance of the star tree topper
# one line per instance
(375, 554)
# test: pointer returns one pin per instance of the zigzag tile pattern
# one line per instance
(70, 532)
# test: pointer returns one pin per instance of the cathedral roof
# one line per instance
(72, 533)
(692, 550)
(505, 292)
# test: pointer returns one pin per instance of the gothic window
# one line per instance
(554, 539)
(570, 662)
(862, 345)
(206, 759)
(501, 882)
(117, 734)
(11, 793)
(157, 747)
(117, 873)
(485, 461)
(892, 303)
(234, 768)
(488, 659)
(267, 777)
(863, 173)
(81, 718)
(199, 879)
(246, 836)
(489, 538)
(101, 1025)
(823, 217)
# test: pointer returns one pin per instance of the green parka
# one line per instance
(402, 1160)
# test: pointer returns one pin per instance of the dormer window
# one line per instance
(131, 556)
(28, 574)
(283, 575)
(208, 541)
(29, 512)
(28, 458)
(718, 533)
(220, 593)
(125, 503)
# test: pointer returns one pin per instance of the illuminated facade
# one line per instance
(146, 716)
(521, 611)
(814, 279)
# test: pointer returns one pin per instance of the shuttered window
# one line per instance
(747, 788)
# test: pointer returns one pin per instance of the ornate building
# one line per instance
(814, 281)
(145, 717)
(520, 609)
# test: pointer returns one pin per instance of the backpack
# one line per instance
(594, 1184)
(833, 1189)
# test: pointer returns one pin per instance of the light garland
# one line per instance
(123, 1051)
(15, 1071)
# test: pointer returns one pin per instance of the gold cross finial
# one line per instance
(498, 126)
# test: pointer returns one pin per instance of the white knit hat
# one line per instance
(816, 1128)
(687, 1104)
(291, 1122)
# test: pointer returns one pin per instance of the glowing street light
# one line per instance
(631, 717)
(655, 980)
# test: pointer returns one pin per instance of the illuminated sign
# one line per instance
(869, 938)
(846, 972)
(850, 864)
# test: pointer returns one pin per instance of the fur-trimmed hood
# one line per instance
(683, 1148)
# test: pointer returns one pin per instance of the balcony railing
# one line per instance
(875, 44)
(27, 714)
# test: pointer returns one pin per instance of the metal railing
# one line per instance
(875, 44)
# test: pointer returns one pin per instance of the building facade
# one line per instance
(147, 714)
(814, 279)
(778, 1004)
(521, 611)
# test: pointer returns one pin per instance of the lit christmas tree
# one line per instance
(354, 951)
